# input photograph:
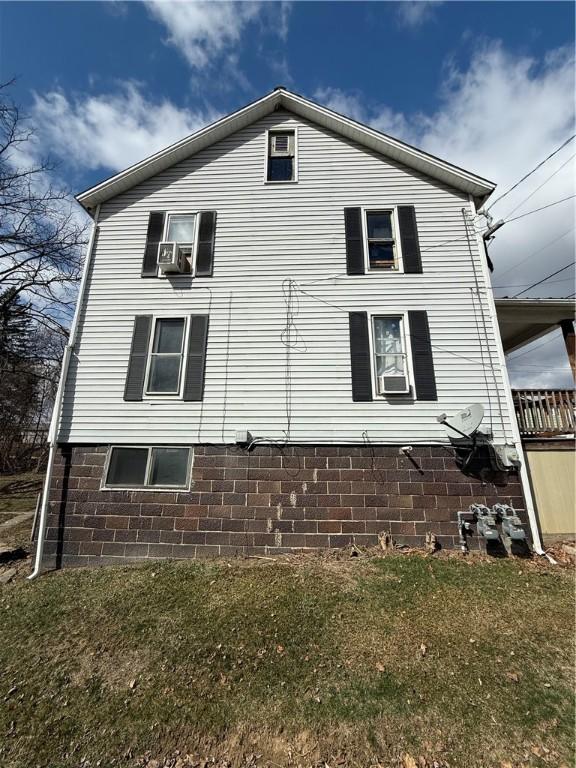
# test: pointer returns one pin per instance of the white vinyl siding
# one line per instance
(265, 234)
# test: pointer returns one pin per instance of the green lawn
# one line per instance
(394, 661)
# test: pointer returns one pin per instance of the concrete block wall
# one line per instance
(263, 502)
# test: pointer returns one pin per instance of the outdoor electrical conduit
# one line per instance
(523, 471)
(54, 422)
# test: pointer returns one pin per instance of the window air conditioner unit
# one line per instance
(171, 258)
(282, 145)
(392, 385)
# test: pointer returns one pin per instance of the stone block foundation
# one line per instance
(263, 502)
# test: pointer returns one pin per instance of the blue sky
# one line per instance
(487, 85)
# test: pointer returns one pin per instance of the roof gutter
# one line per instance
(57, 410)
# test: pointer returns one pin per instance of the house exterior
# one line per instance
(282, 389)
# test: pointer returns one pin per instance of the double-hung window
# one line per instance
(148, 467)
(381, 242)
(390, 354)
(281, 156)
(165, 359)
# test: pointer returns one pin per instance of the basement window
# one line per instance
(281, 156)
(147, 467)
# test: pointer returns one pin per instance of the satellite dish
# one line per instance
(465, 422)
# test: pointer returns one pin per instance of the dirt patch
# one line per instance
(115, 671)
(303, 749)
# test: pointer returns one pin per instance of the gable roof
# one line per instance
(280, 97)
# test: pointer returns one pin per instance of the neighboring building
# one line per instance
(546, 417)
(330, 297)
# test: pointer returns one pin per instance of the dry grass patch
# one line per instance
(18, 493)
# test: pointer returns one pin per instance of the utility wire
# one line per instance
(564, 164)
(521, 285)
(539, 367)
(346, 310)
(552, 242)
(527, 351)
(502, 196)
(529, 213)
(544, 279)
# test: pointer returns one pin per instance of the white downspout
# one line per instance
(56, 411)
(524, 479)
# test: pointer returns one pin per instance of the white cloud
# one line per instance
(415, 13)
(111, 131)
(351, 105)
(500, 117)
(204, 32)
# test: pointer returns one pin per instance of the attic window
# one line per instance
(281, 159)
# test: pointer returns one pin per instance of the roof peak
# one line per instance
(381, 143)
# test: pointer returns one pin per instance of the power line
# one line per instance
(556, 202)
(521, 285)
(502, 196)
(527, 351)
(541, 185)
(485, 337)
(552, 242)
(544, 279)
(476, 361)
(540, 367)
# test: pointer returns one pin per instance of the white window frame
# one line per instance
(194, 245)
(105, 487)
(170, 395)
(287, 129)
(405, 334)
(393, 209)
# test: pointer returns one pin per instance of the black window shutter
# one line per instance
(360, 357)
(205, 252)
(138, 354)
(409, 239)
(422, 360)
(354, 241)
(153, 238)
(196, 358)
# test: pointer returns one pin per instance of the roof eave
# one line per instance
(470, 183)
(176, 152)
